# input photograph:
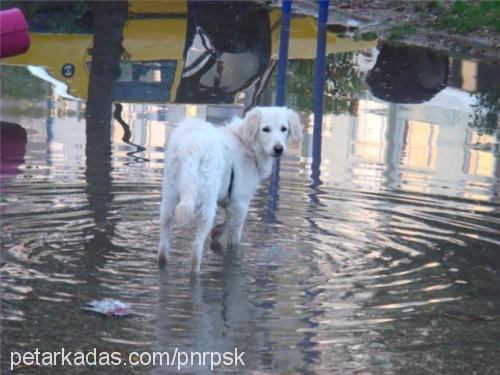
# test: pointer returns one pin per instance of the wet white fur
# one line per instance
(198, 167)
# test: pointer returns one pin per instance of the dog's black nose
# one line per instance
(278, 149)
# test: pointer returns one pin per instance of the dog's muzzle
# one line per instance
(277, 151)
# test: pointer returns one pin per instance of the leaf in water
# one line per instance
(471, 317)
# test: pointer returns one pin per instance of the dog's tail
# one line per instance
(188, 185)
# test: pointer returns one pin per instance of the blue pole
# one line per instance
(318, 90)
(286, 11)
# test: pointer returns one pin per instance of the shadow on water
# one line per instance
(373, 247)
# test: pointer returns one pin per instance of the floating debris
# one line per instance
(109, 307)
(471, 317)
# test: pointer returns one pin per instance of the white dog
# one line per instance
(208, 165)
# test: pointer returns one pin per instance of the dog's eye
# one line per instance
(266, 129)
(284, 129)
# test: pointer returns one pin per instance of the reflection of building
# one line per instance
(427, 147)
(479, 161)
(55, 127)
(370, 131)
(473, 75)
(420, 147)
(150, 125)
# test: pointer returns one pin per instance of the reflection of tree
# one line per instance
(485, 116)
(342, 87)
(55, 16)
(343, 83)
(109, 19)
(19, 83)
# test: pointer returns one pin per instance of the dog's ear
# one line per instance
(250, 125)
(295, 127)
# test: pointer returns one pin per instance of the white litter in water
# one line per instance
(109, 307)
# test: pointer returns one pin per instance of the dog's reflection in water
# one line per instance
(206, 313)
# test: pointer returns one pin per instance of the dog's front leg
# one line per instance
(237, 212)
(168, 203)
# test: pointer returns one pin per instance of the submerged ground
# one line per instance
(378, 254)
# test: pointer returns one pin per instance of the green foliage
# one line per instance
(343, 84)
(424, 8)
(433, 4)
(485, 117)
(467, 16)
(55, 16)
(401, 30)
(19, 83)
(458, 7)
(367, 35)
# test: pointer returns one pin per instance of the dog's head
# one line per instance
(270, 128)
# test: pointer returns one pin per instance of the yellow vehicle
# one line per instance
(162, 61)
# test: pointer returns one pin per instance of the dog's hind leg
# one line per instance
(237, 213)
(166, 226)
(219, 228)
(204, 223)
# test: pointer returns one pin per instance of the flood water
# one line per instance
(386, 261)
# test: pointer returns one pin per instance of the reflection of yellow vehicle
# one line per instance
(148, 39)
(155, 39)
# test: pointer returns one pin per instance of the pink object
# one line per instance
(14, 33)
(13, 141)
(109, 307)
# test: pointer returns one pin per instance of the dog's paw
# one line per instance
(162, 261)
